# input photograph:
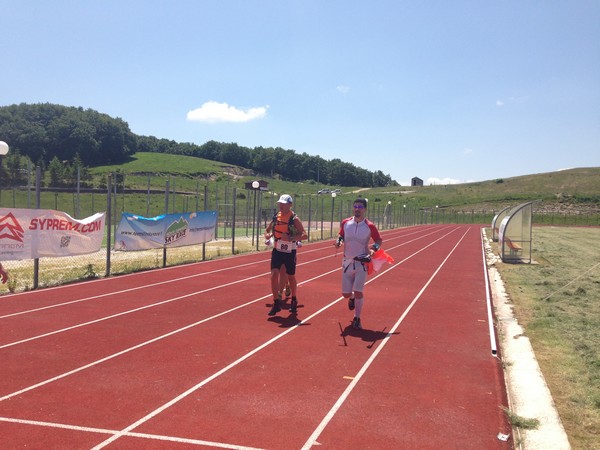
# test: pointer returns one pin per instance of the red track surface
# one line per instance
(187, 357)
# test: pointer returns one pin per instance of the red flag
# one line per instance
(379, 258)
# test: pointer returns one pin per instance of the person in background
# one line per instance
(286, 229)
(356, 233)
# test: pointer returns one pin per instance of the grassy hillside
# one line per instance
(573, 188)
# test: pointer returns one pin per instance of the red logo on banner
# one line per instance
(10, 228)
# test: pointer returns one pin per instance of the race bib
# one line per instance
(284, 246)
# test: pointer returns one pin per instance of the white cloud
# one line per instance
(343, 89)
(213, 112)
(512, 100)
(437, 181)
(467, 151)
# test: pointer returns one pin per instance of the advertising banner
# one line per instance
(169, 230)
(37, 233)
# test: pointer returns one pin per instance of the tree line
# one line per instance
(51, 135)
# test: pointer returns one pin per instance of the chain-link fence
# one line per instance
(243, 214)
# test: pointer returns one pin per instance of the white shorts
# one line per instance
(354, 276)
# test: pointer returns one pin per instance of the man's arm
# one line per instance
(376, 245)
(300, 232)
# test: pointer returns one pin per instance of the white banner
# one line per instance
(169, 230)
(37, 233)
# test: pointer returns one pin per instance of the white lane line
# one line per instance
(156, 437)
(123, 291)
(251, 353)
(154, 304)
(124, 432)
(143, 344)
(312, 440)
(130, 311)
(114, 355)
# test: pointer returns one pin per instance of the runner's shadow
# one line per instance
(287, 322)
(370, 336)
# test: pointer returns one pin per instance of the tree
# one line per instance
(56, 171)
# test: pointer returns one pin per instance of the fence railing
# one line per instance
(243, 214)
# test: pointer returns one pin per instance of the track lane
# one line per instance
(255, 312)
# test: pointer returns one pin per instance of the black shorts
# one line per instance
(288, 260)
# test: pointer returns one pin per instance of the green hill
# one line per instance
(574, 188)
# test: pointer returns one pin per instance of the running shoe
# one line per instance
(350, 303)
(294, 306)
(356, 323)
(276, 307)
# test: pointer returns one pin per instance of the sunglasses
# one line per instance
(358, 206)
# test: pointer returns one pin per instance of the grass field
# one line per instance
(557, 301)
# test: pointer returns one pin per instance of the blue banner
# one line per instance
(169, 230)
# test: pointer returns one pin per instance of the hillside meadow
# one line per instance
(567, 189)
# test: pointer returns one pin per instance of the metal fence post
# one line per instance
(166, 212)
(108, 223)
(233, 221)
(38, 189)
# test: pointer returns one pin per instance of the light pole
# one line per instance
(387, 214)
(333, 195)
(3, 152)
(255, 186)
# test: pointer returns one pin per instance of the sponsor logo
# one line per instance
(10, 228)
(176, 231)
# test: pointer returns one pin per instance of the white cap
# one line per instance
(285, 199)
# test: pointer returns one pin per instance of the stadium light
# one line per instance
(333, 195)
(256, 221)
(3, 152)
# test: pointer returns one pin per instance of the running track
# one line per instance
(186, 357)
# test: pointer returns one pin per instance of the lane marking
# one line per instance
(141, 308)
(144, 274)
(235, 363)
(127, 431)
(157, 437)
(312, 440)
(153, 304)
(143, 344)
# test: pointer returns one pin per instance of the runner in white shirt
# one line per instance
(356, 232)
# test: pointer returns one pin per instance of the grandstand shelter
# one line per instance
(497, 220)
(515, 234)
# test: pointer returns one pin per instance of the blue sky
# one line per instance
(446, 91)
